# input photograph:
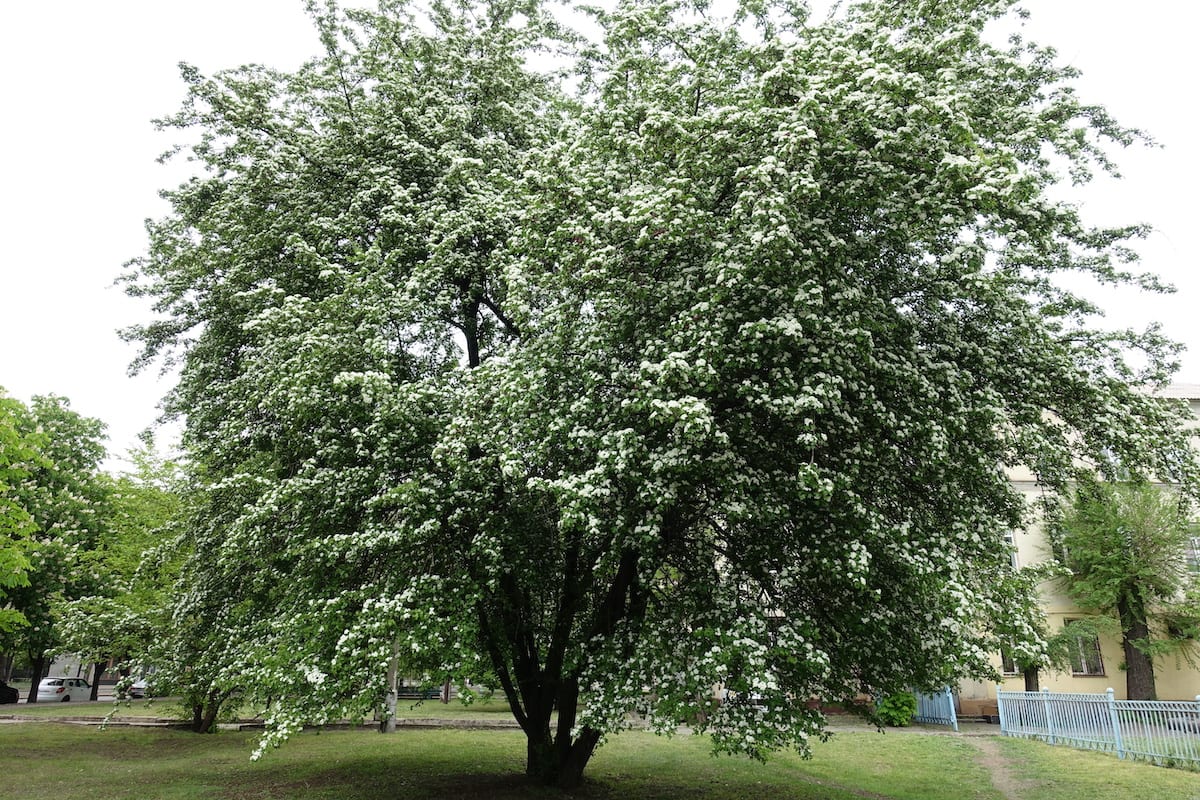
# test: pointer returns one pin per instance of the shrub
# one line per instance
(897, 710)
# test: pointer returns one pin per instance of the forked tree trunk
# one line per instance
(204, 715)
(559, 764)
(556, 754)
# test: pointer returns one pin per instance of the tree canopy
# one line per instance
(615, 368)
(59, 497)
(18, 452)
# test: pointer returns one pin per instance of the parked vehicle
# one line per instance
(63, 690)
(8, 694)
(138, 689)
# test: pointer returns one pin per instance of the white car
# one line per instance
(63, 689)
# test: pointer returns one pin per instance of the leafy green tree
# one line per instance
(133, 574)
(708, 374)
(18, 452)
(66, 497)
(1124, 546)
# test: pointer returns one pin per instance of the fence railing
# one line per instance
(1165, 733)
(937, 709)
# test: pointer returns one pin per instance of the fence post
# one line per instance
(1049, 716)
(1000, 709)
(1116, 723)
(950, 706)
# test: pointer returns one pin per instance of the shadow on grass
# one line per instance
(358, 783)
(431, 764)
(491, 767)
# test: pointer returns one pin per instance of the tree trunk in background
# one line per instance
(204, 714)
(38, 672)
(97, 671)
(388, 725)
(1139, 667)
(1031, 679)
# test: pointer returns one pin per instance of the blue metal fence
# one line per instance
(937, 709)
(1162, 732)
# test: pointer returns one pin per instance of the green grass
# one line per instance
(1063, 773)
(48, 761)
(138, 708)
(492, 710)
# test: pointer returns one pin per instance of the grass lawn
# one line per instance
(64, 762)
(138, 708)
(169, 708)
(1061, 773)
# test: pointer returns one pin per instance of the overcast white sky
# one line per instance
(80, 81)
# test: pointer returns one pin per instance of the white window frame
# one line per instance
(1079, 656)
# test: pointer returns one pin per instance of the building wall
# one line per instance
(1175, 677)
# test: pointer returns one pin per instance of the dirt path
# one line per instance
(1006, 782)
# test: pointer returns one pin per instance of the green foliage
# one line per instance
(1125, 546)
(700, 367)
(127, 610)
(18, 453)
(1125, 541)
(897, 710)
(60, 497)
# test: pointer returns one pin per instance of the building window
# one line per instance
(1011, 541)
(1007, 664)
(1085, 654)
(1192, 555)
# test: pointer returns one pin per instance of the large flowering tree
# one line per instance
(706, 373)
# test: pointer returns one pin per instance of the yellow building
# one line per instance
(1097, 663)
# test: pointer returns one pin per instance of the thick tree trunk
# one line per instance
(1031, 679)
(571, 771)
(97, 671)
(204, 715)
(39, 671)
(210, 717)
(1139, 667)
(559, 763)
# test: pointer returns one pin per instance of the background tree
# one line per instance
(1125, 547)
(707, 376)
(66, 496)
(18, 453)
(133, 573)
(1025, 636)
